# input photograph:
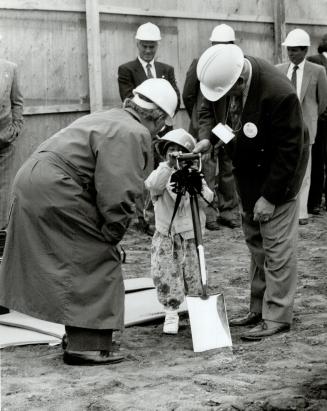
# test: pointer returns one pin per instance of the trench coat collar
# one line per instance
(133, 113)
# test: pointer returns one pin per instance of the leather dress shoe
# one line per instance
(265, 329)
(212, 226)
(249, 319)
(4, 310)
(303, 221)
(314, 210)
(229, 222)
(91, 357)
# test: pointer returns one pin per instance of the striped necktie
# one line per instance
(235, 112)
(148, 71)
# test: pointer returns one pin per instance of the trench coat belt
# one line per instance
(68, 168)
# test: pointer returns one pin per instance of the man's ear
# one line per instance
(240, 81)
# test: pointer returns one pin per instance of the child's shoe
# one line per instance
(171, 322)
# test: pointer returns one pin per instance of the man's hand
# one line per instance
(263, 210)
(202, 146)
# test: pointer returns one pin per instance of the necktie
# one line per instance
(293, 78)
(148, 71)
(235, 112)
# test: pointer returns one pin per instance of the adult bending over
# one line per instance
(72, 203)
(269, 154)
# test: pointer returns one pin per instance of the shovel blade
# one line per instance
(209, 323)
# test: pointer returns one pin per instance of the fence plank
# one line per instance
(279, 31)
(94, 54)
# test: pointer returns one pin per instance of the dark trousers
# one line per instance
(86, 339)
(319, 167)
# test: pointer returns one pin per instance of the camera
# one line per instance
(188, 160)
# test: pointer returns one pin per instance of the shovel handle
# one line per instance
(203, 270)
(198, 241)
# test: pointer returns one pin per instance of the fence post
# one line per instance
(279, 31)
(94, 54)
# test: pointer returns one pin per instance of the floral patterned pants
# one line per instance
(174, 269)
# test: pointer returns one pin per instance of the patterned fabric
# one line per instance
(235, 112)
(174, 269)
(148, 71)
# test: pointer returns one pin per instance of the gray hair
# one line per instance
(148, 114)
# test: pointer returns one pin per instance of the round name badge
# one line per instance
(250, 130)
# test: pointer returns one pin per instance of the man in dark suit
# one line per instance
(269, 149)
(224, 188)
(319, 149)
(133, 73)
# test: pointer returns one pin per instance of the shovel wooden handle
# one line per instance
(199, 241)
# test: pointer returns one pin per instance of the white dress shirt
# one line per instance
(152, 68)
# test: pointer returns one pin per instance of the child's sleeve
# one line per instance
(158, 179)
(207, 193)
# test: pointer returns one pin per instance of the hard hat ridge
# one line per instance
(297, 38)
(148, 32)
(160, 92)
(223, 34)
(218, 69)
(177, 136)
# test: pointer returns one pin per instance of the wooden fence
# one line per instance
(68, 51)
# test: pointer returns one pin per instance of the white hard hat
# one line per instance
(160, 92)
(148, 32)
(297, 38)
(222, 33)
(218, 69)
(178, 136)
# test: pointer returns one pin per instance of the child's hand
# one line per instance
(172, 159)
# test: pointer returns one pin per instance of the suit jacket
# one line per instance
(11, 104)
(192, 97)
(322, 61)
(131, 74)
(272, 163)
(318, 59)
(313, 96)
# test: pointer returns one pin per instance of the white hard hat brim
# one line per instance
(294, 44)
(214, 95)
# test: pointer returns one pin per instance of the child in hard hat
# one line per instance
(174, 264)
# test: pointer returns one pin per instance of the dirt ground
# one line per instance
(161, 372)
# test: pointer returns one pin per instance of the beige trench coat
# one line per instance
(72, 202)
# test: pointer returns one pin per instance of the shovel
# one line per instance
(207, 313)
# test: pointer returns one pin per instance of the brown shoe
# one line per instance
(91, 357)
(303, 221)
(265, 329)
(250, 319)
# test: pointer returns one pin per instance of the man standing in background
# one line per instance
(310, 83)
(217, 158)
(132, 74)
(11, 123)
(319, 149)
